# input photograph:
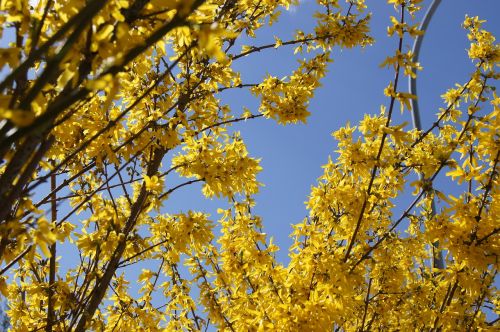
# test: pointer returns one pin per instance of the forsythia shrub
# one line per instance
(97, 96)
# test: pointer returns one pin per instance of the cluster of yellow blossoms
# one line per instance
(105, 104)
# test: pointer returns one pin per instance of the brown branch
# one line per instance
(16, 190)
(15, 260)
(52, 264)
(367, 302)
(273, 45)
(446, 302)
(379, 154)
(488, 186)
(168, 192)
(487, 236)
(124, 262)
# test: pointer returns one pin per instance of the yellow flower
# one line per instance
(20, 118)
(9, 56)
(153, 184)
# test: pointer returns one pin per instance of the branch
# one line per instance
(375, 168)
